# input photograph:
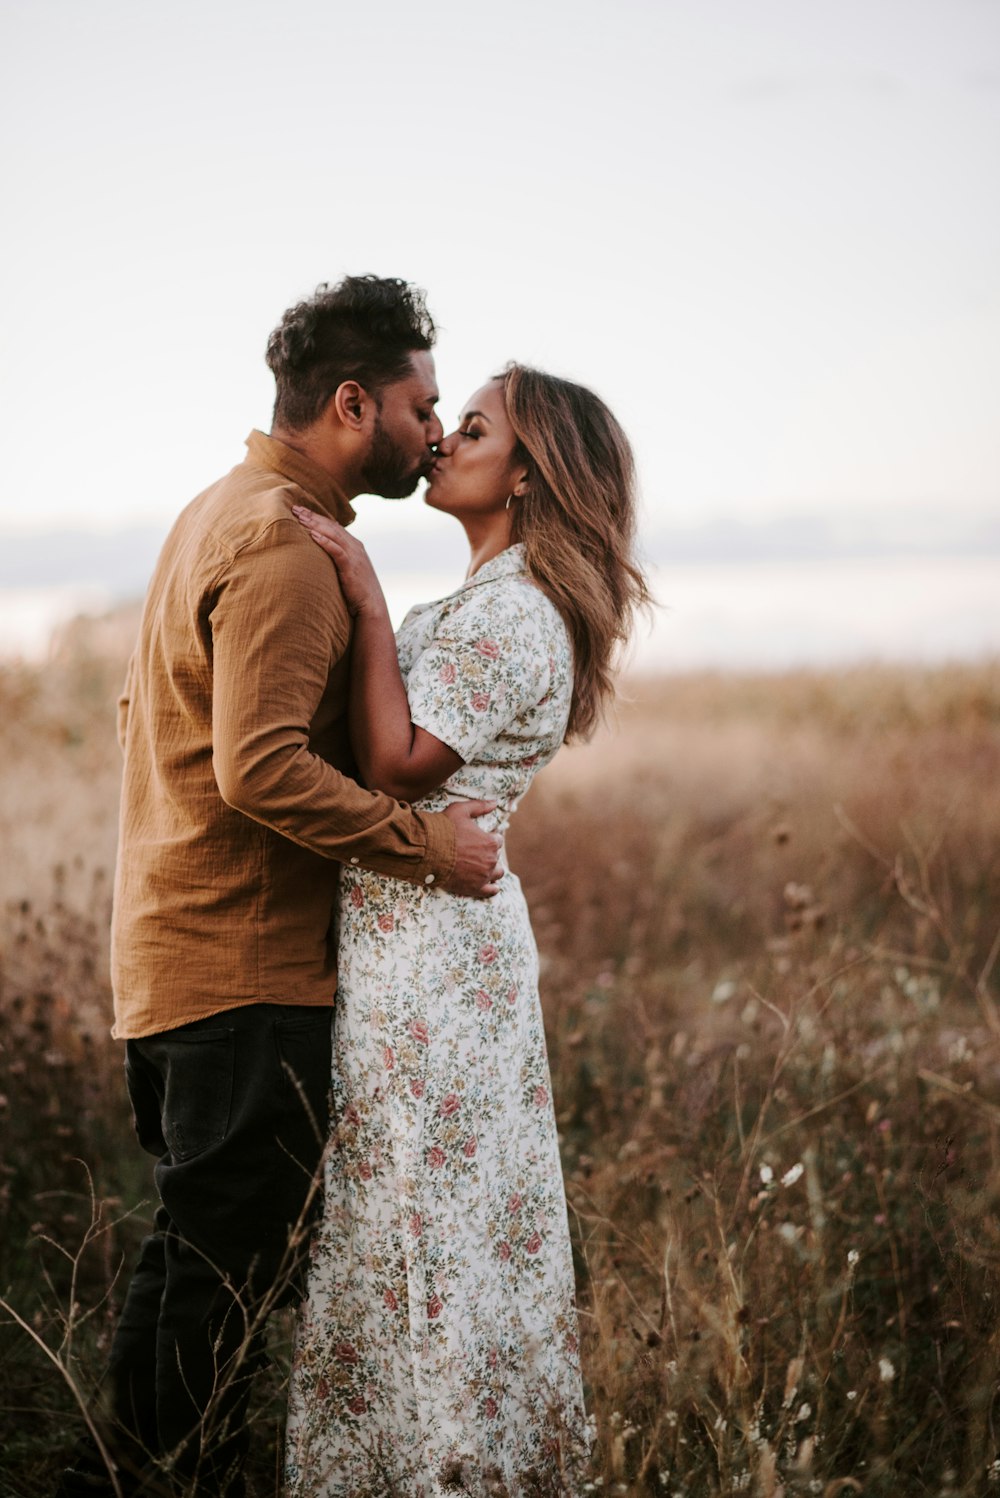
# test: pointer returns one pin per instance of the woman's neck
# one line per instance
(488, 537)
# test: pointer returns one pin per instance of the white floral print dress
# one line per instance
(437, 1346)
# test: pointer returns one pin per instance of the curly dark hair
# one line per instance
(365, 328)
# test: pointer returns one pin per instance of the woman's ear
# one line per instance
(521, 482)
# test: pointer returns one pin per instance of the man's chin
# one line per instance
(394, 488)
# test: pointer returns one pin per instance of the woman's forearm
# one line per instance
(379, 713)
(392, 755)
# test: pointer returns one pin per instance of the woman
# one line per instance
(437, 1350)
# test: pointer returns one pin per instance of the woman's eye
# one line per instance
(471, 433)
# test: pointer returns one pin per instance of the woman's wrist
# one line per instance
(373, 609)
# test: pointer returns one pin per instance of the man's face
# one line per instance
(406, 430)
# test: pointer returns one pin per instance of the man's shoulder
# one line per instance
(250, 507)
(239, 509)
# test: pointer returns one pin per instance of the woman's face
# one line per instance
(475, 470)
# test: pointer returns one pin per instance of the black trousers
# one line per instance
(235, 1107)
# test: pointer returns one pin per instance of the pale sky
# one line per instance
(767, 231)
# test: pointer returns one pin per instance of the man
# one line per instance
(236, 809)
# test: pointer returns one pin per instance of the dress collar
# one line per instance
(268, 452)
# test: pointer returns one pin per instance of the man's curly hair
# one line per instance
(365, 328)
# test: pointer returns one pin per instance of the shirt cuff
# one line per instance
(438, 861)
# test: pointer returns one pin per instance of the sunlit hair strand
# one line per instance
(577, 523)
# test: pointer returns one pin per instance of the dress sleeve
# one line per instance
(488, 664)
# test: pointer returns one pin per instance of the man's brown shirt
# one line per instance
(236, 801)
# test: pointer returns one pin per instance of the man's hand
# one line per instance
(477, 870)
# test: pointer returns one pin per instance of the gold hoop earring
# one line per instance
(509, 498)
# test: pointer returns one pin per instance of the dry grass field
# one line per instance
(769, 914)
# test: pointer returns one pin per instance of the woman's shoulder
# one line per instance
(515, 607)
(505, 586)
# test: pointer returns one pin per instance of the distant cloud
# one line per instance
(814, 537)
(983, 82)
(767, 88)
(777, 88)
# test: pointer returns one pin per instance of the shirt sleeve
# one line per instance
(488, 664)
(278, 625)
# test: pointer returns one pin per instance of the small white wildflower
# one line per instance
(664, 1476)
(766, 1174)
(671, 1418)
(852, 1395)
(993, 1471)
(886, 1371)
(723, 991)
(805, 1410)
(672, 1366)
(816, 1486)
(789, 1231)
(853, 1258)
(629, 1432)
(615, 1418)
(792, 1175)
(721, 1422)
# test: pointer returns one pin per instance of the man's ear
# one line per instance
(352, 405)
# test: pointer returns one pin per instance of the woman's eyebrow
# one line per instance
(481, 414)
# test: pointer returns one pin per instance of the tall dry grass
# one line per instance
(768, 915)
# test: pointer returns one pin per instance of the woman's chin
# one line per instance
(432, 499)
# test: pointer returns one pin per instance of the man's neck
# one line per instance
(313, 446)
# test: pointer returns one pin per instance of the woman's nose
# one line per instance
(446, 445)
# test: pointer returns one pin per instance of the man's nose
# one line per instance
(435, 432)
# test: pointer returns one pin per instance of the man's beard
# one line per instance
(386, 471)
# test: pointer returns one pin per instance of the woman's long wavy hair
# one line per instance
(577, 523)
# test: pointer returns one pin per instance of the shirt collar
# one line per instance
(509, 563)
(320, 486)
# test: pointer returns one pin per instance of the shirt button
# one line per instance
(354, 860)
(429, 879)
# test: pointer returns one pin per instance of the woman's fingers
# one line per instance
(357, 576)
(327, 543)
(319, 525)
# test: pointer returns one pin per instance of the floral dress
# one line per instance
(437, 1347)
